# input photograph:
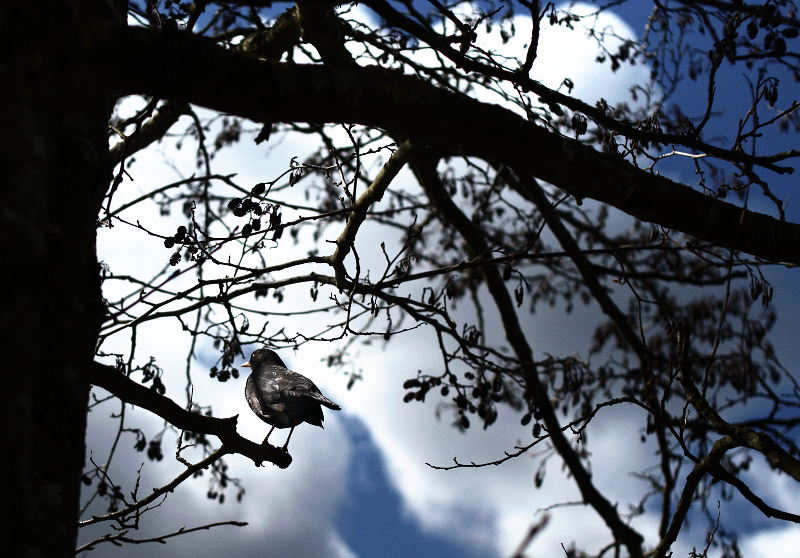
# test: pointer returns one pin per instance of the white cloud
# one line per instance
(776, 543)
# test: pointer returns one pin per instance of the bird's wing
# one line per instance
(267, 387)
(297, 385)
(264, 398)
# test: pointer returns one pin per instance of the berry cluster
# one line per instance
(241, 207)
(478, 398)
(183, 237)
(224, 375)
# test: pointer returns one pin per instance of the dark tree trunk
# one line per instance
(54, 172)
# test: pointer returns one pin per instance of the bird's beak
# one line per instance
(246, 365)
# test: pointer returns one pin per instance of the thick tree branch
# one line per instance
(320, 26)
(152, 131)
(531, 190)
(113, 381)
(374, 193)
(177, 66)
(425, 169)
(721, 474)
(273, 42)
(706, 465)
(744, 436)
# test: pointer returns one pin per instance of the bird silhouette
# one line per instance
(281, 397)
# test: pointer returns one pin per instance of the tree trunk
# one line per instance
(54, 170)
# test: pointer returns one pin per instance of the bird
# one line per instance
(281, 397)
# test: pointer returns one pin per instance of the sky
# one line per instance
(361, 486)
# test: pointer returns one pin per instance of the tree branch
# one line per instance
(152, 131)
(425, 169)
(176, 66)
(531, 190)
(113, 381)
(744, 436)
(442, 45)
(116, 538)
(374, 193)
(120, 515)
(706, 465)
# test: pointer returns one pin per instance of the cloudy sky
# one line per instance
(361, 486)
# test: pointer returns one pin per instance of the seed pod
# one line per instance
(579, 124)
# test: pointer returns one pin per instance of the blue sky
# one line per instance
(372, 520)
(360, 487)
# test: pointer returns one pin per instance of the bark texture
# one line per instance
(54, 172)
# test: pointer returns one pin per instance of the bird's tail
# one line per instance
(327, 402)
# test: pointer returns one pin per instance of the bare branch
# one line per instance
(117, 538)
(136, 394)
(121, 515)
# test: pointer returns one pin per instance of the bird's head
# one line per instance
(267, 356)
